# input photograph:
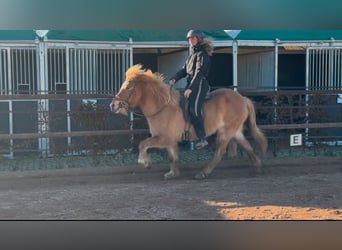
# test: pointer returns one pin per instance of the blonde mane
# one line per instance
(154, 82)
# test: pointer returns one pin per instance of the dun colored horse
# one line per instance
(226, 113)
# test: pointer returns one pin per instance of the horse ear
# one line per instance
(149, 73)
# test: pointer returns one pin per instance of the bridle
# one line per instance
(123, 103)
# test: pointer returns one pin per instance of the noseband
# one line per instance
(123, 102)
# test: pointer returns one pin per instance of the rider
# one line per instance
(196, 69)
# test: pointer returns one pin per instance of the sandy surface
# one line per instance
(290, 189)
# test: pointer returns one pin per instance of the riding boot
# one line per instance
(201, 143)
(200, 132)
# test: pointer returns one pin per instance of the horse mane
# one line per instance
(154, 82)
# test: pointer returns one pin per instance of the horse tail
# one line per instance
(255, 131)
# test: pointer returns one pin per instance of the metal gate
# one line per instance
(18, 76)
(54, 68)
(324, 68)
(324, 72)
(86, 69)
(18, 67)
(79, 69)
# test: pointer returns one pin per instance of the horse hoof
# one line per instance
(201, 176)
(145, 163)
(170, 175)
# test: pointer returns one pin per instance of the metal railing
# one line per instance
(314, 114)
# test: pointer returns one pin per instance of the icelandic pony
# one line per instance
(225, 113)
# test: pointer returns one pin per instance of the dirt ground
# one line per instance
(290, 189)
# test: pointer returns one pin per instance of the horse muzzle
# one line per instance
(119, 107)
(113, 107)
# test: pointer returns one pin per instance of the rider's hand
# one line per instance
(187, 93)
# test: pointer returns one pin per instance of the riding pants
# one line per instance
(196, 100)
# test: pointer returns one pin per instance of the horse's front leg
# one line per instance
(159, 142)
(151, 142)
(144, 145)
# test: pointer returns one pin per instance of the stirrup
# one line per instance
(201, 144)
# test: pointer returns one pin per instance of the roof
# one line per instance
(17, 35)
(289, 35)
(170, 35)
(125, 35)
(109, 35)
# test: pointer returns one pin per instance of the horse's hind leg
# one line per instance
(222, 140)
(232, 148)
(173, 157)
(242, 141)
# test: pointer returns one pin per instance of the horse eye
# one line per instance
(129, 85)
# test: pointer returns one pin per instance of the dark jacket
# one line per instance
(196, 67)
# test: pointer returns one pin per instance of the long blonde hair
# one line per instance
(207, 43)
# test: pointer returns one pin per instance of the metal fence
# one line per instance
(88, 126)
(55, 95)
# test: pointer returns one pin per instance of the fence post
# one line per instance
(235, 64)
(43, 104)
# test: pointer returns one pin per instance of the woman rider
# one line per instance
(196, 69)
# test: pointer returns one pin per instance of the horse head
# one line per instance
(124, 99)
(129, 94)
(145, 90)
